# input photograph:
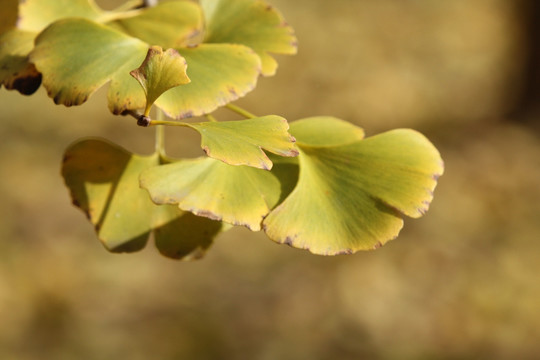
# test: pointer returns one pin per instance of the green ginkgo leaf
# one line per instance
(242, 142)
(159, 72)
(35, 15)
(351, 196)
(239, 195)
(326, 131)
(16, 71)
(104, 183)
(170, 24)
(253, 23)
(219, 73)
(77, 57)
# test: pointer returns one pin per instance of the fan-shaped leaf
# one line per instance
(350, 197)
(241, 142)
(239, 195)
(77, 57)
(169, 24)
(104, 183)
(219, 73)
(159, 72)
(253, 23)
(326, 131)
(35, 15)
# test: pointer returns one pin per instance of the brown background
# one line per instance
(460, 283)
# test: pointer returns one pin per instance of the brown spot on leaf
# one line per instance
(288, 241)
(186, 115)
(206, 150)
(26, 84)
(377, 245)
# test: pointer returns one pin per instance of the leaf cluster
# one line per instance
(314, 184)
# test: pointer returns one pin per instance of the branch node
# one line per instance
(143, 121)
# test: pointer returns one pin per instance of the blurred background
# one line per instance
(460, 283)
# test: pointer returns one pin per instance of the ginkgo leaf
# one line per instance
(239, 195)
(32, 16)
(104, 183)
(351, 197)
(35, 15)
(77, 57)
(170, 24)
(219, 73)
(188, 237)
(253, 23)
(326, 131)
(242, 142)
(159, 72)
(16, 72)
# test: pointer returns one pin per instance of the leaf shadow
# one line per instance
(187, 237)
(287, 174)
(94, 161)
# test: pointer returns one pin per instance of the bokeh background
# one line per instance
(460, 283)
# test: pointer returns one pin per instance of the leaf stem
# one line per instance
(240, 111)
(168, 123)
(160, 136)
(210, 118)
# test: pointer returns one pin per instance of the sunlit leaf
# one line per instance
(104, 183)
(35, 15)
(253, 23)
(242, 142)
(351, 197)
(219, 73)
(326, 131)
(77, 57)
(159, 72)
(169, 24)
(16, 72)
(239, 195)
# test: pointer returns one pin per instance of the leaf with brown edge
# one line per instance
(78, 56)
(219, 73)
(352, 196)
(103, 180)
(238, 195)
(16, 72)
(159, 72)
(242, 142)
(253, 23)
